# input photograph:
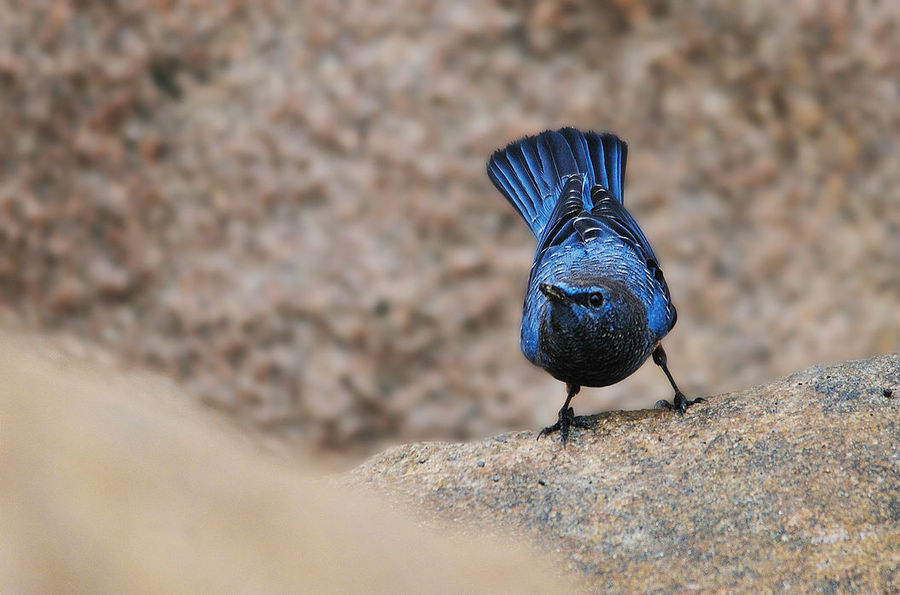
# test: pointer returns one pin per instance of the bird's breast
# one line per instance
(590, 354)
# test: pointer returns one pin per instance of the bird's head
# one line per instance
(592, 332)
(593, 309)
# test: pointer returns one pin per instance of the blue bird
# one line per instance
(597, 303)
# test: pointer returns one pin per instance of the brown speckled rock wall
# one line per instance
(284, 204)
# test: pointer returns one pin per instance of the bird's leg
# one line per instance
(566, 418)
(681, 403)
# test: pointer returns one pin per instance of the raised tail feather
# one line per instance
(530, 172)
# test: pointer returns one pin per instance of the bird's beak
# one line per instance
(554, 293)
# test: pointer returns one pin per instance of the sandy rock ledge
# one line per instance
(792, 485)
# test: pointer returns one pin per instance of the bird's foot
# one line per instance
(681, 403)
(566, 420)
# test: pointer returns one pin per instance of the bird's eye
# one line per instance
(595, 300)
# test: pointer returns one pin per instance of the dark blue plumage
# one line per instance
(597, 303)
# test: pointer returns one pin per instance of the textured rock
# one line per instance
(794, 485)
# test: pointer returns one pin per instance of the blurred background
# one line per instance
(283, 205)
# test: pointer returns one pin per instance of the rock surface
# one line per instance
(794, 485)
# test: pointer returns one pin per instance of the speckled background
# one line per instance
(284, 204)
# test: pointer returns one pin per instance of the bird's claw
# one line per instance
(565, 421)
(681, 403)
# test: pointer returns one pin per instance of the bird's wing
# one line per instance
(560, 228)
(568, 207)
(609, 216)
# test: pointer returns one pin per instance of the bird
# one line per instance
(597, 304)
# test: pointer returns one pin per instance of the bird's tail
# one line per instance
(530, 171)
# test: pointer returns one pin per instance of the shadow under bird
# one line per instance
(597, 304)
